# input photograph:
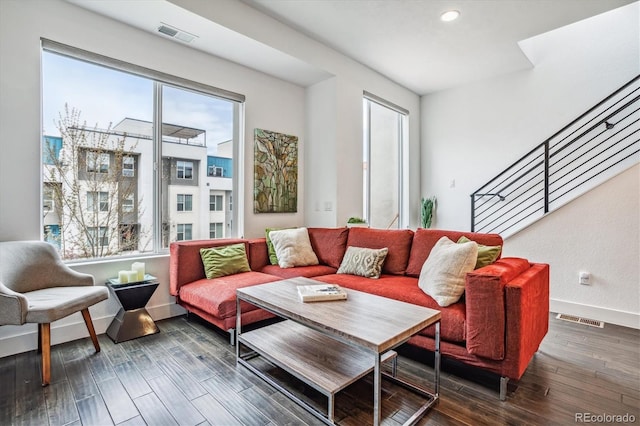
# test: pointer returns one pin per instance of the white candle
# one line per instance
(139, 268)
(122, 277)
(132, 276)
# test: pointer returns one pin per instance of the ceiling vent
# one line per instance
(173, 32)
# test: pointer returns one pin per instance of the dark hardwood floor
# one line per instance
(187, 375)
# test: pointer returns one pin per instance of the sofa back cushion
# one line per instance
(398, 241)
(185, 263)
(329, 244)
(425, 239)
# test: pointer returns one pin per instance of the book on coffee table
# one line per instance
(321, 293)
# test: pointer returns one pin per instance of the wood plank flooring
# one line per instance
(186, 375)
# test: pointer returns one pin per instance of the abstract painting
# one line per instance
(275, 172)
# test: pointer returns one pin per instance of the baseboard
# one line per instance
(611, 316)
(28, 340)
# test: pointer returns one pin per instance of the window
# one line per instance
(97, 162)
(131, 173)
(48, 203)
(129, 237)
(128, 204)
(185, 202)
(184, 232)
(230, 202)
(128, 166)
(98, 236)
(184, 170)
(97, 201)
(215, 171)
(384, 138)
(215, 203)
(215, 230)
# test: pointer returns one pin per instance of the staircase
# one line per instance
(596, 146)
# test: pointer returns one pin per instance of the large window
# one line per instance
(115, 188)
(385, 127)
(215, 230)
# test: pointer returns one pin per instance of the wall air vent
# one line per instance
(176, 33)
(578, 320)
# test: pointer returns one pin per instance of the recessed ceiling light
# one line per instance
(449, 15)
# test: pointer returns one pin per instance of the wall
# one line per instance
(20, 130)
(271, 104)
(471, 133)
(339, 111)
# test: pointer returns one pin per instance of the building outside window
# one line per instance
(215, 203)
(184, 232)
(185, 202)
(216, 230)
(97, 162)
(113, 170)
(184, 170)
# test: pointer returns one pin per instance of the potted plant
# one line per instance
(428, 206)
(356, 222)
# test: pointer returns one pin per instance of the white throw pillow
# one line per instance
(443, 273)
(293, 247)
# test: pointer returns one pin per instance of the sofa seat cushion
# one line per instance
(425, 239)
(405, 289)
(398, 241)
(218, 296)
(298, 271)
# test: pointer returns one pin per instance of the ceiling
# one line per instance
(403, 40)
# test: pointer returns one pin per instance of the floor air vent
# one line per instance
(578, 320)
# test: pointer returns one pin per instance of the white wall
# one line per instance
(271, 104)
(472, 133)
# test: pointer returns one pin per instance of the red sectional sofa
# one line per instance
(497, 325)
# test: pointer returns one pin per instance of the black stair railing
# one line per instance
(600, 143)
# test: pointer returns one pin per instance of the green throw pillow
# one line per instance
(225, 260)
(486, 254)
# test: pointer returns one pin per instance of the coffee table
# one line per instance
(329, 345)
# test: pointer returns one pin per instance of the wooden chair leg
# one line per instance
(44, 330)
(92, 332)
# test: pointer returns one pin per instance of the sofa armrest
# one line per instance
(258, 254)
(185, 264)
(527, 303)
(486, 313)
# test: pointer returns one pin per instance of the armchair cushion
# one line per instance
(51, 304)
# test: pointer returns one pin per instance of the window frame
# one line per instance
(96, 196)
(184, 169)
(403, 141)
(181, 229)
(159, 80)
(187, 201)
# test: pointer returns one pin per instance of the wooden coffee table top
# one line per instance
(373, 322)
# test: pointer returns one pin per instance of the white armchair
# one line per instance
(37, 287)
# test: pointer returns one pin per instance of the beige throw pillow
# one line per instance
(443, 273)
(293, 247)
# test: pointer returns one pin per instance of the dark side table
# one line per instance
(132, 320)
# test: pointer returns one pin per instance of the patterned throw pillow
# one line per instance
(445, 270)
(225, 260)
(364, 262)
(293, 247)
